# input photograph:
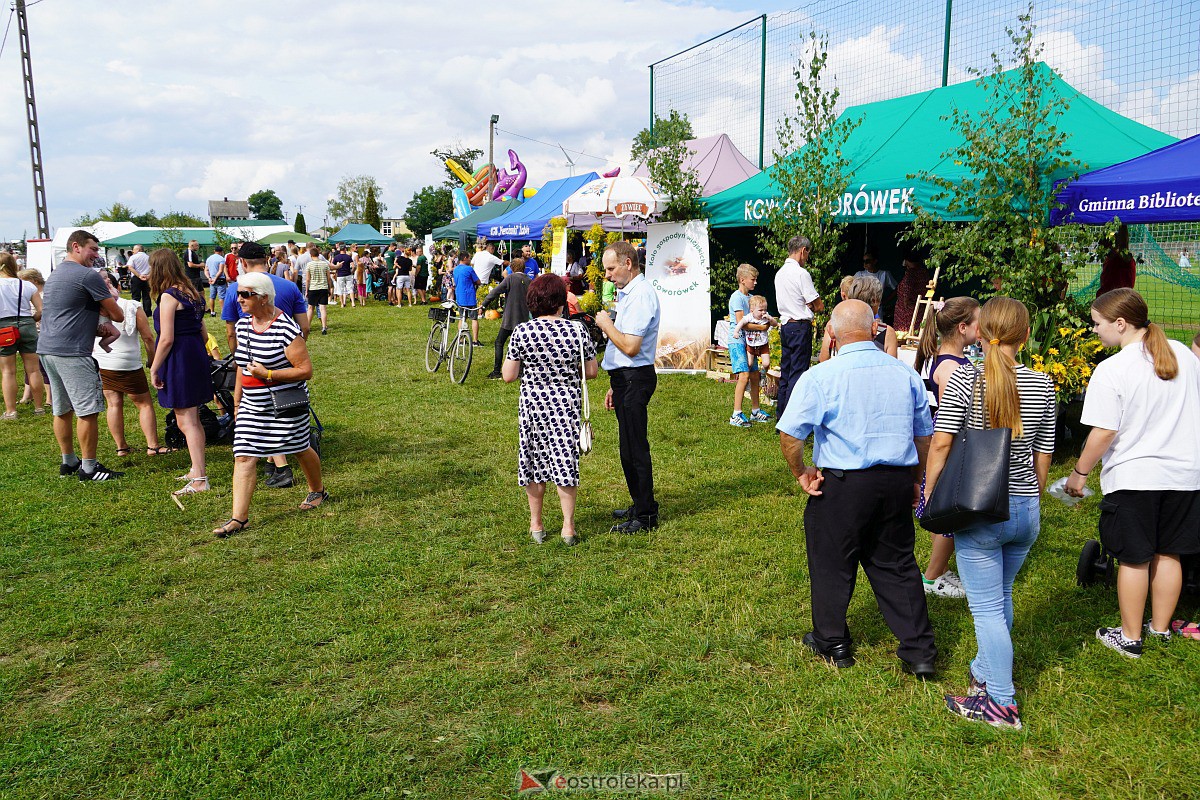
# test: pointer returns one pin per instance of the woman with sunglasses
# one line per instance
(273, 358)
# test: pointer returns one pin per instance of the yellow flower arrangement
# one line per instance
(1060, 347)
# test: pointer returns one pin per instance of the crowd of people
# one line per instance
(882, 431)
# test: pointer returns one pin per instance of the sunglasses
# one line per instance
(247, 295)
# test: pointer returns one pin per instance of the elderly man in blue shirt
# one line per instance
(629, 361)
(869, 417)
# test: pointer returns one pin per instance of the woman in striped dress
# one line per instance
(273, 356)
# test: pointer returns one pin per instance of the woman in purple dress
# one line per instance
(181, 368)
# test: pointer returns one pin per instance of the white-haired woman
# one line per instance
(273, 358)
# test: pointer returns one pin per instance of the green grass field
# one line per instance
(409, 641)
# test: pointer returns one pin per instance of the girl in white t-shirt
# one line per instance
(1143, 404)
(20, 308)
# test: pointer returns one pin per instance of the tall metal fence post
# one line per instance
(651, 103)
(762, 95)
(946, 45)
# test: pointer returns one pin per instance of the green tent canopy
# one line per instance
(151, 237)
(357, 233)
(283, 236)
(485, 213)
(908, 135)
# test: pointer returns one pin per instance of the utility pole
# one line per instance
(35, 140)
(491, 157)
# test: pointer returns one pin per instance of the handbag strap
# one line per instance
(587, 408)
(977, 386)
(20, 294)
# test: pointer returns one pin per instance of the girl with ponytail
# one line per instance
(990, 556)
(947, 333)
(1142, 405)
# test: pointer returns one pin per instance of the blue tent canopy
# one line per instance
(1160, 186)
(527, 220)
(355, 233)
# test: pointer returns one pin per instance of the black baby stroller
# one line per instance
(218, 426)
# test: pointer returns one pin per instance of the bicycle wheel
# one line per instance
(433, 348)
(460, 357)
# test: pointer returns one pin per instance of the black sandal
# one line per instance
(161, 450)
(124, 452)
(226, 530)
(320, 498)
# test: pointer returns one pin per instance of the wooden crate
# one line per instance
(718, 367)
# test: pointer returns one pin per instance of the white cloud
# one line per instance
(192, 103)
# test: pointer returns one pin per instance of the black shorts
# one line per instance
(1137, 525)
(318, 297)
(469, 313)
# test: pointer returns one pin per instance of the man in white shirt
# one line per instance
(485, 261)
(139, 277)
(1185, 263)
(797, 299)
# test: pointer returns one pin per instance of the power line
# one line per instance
(558, 146)
(11, 11)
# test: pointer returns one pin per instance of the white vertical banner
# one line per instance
(429, 246)
(677, 266)
(558, 251)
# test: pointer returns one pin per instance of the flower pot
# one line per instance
(1069, 432)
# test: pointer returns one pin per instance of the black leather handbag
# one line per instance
(973, 486)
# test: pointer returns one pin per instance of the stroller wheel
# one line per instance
(1095, 565)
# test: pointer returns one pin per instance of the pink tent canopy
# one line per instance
(717, 162)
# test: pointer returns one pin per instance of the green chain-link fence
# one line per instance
(1140, 58)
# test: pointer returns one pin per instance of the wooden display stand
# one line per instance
(921, 308)
(718, 367)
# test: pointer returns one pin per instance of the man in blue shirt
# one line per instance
(629, 361)
(869, 417)
(288, 298)
(217, 280)
(465, 280)
(532, 267)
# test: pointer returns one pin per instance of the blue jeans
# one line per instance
(989, 558)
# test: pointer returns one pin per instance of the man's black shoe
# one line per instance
(65, 471)
(101, 473)
(623, 513)
(921, 670)
(494, 376)
(839, 655)
(281, 478)
(634, 525)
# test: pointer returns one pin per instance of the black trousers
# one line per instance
(865, 517)
(796, 340)
(632, 389)
(140, 290)
(501, 343)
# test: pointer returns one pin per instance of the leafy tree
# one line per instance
(675, 128)
(813, 177)
(147, 220)
(349, 203)
(429, 208)
(1012, 149)
(300, 226)
(465, 156)
(173, 238)
(371, 210)
(117, 212)
(680, 184)
(265, 204)
(181, 219)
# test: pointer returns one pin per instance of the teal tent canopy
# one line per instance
(152, 237)
(356, 233)
(907, 136)
(485, 213)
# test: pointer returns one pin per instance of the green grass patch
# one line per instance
(408, 640)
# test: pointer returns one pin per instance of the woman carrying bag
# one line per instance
(554, 357)
(990, 555)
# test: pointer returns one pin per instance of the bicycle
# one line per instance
(457, 351)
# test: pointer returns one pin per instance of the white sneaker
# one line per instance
(946, 585)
